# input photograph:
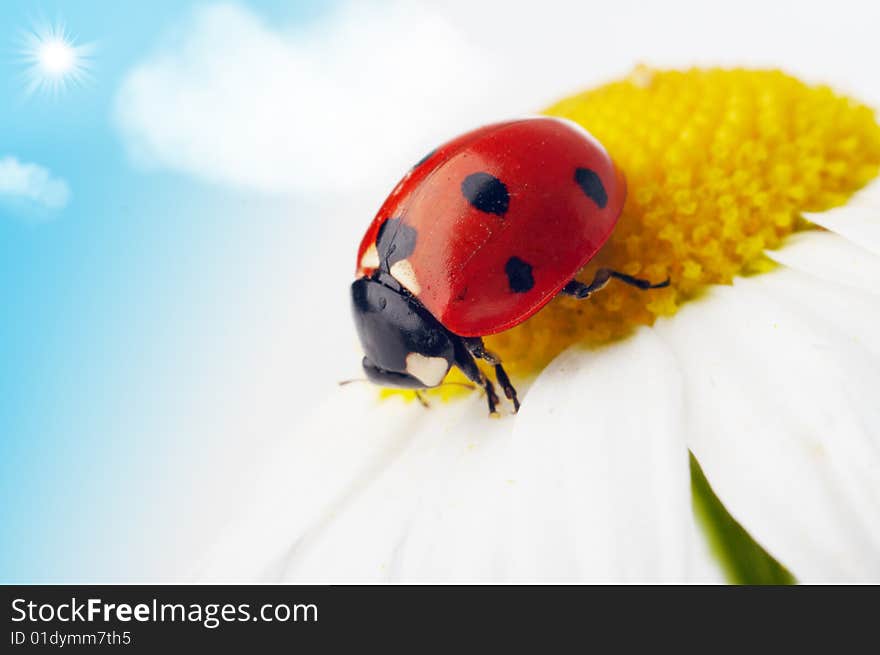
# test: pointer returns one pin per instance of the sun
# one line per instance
(54, 61)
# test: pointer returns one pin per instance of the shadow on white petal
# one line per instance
(600, 469)
(780, 373)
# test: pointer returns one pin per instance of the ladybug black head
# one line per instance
(404, 345)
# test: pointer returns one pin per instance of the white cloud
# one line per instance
(348, 101)
(31, 185)
(235, 100)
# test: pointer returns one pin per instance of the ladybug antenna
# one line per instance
(342, 383)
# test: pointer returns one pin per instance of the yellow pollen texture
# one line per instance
(719, 166)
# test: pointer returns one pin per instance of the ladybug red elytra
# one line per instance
(478, 236)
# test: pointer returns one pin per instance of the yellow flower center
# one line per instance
(719, 166)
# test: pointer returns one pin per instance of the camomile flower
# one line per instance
(727, 423)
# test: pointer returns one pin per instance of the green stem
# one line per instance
(741, 557)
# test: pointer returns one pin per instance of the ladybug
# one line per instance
(478, 236)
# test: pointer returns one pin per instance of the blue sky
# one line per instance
(188, 301)
(96, 297)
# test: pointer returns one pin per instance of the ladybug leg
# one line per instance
(465, 361)
(478, 349)
(504, 381)
(603, 276)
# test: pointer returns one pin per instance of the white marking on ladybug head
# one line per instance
(429, 370)
(403, 272)
(370, 257)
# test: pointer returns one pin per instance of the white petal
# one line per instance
(600, 467)
(781, 376)
(458, 531)
(858, 220)
(587, 489)
(830, 257)
(426, 516)
(328, 460)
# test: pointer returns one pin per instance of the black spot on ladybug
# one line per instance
(486, 192)
(394, 242)
(425, 158)
(519, 275)
(591, 184)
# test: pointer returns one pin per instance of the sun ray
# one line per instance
(54, 61)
